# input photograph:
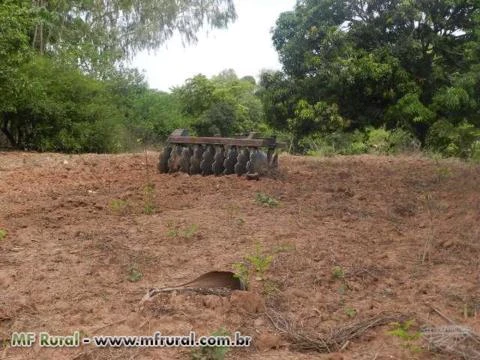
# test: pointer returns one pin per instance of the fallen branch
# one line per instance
(439, 313)
(336, 339)
(202, 291)
(453, 339)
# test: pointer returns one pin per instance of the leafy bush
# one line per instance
(476, 151)
(335, 143)
(223, 105)
(402, 141)
(62, 109)
(377, 141)
(449, 140)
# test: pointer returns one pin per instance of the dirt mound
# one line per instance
(329, 242)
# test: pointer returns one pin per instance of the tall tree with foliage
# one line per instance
(51, 50)
(394, 63)
(15, 51)
(224, 105)
(96, 33)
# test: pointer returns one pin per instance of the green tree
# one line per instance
(223, 105)
(63, 83)
(156, 115)
(15, 51)
(62, 109)
(279, 94)
(95, 34)
(394, 63)
(196, 95)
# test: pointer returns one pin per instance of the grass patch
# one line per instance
(134, 274)
(403, 330)
(266, 200)
(338, 272)
(187, 232)
(350, 312)
(3, 233)
(118, 206)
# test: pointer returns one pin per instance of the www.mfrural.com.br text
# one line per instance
(44, 339)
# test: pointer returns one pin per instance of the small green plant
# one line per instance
(190, 231)
(149, 199)
(3, 233)
(266, 200)
(242, 272)
(212, 352)
(403, 330)
(118, 206)
(338, 272)
(175, 231)
(260, 261)
(256, 264)
(350, 312)
(134, 274)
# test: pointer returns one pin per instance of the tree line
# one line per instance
(63, 81)
(357, 67)
(358, 76)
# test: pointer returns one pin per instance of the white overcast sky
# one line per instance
(246, 46)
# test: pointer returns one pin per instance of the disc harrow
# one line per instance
(218, 155)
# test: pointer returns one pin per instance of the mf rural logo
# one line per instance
(28, 339)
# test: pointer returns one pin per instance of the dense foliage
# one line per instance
(358, 76)
(351, 64)
(224, 105)
(61, 76)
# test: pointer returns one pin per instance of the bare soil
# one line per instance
(351, 237)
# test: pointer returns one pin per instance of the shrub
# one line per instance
(449, 140)
(401, 141)
(476, 151)
(377, 141)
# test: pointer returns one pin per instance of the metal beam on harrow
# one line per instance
(193, 140)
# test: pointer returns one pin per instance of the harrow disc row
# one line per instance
(216, 160)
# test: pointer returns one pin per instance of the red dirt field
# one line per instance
(351, 238)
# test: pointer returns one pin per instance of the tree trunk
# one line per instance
(7, 132)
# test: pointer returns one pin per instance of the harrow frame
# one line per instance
(218, 155)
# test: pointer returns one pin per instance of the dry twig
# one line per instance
(333, 340)
(453, 339)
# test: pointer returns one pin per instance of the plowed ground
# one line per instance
(351, 238)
